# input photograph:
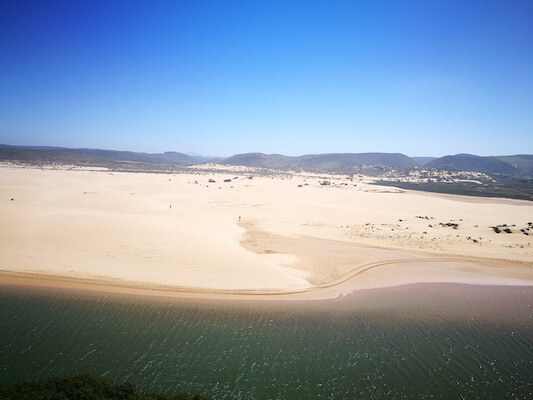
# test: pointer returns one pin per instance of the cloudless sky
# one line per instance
(424, 78)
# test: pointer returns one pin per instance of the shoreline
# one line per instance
(415, 301)
(335, 289)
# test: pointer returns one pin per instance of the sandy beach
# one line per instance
(219, 232)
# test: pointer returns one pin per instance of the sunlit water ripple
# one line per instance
(354, 348)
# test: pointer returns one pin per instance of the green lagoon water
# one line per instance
(447, 342)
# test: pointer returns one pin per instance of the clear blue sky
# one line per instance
(293, 77)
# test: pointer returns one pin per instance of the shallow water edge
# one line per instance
(415, 341)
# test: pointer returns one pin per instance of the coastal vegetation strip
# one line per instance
(84, 387)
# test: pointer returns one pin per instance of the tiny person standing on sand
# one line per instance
(239, 218)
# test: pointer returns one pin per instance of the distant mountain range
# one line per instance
(516, 165)
(66, 155)
(322, 162)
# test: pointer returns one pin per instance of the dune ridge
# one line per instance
(223, 232)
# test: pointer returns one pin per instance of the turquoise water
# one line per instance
(408, 343)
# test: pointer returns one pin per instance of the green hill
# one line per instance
(522, 162)
(91, 156)
(321, 162)
(469, 162)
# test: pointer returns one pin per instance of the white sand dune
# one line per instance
(182, 232)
